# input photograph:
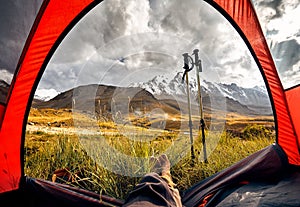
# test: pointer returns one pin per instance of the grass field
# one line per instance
(52, 144)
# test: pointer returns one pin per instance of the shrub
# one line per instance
(255, 131)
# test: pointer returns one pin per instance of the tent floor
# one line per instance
(38, 193)
(282, 193)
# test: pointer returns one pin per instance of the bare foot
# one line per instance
(160, 164)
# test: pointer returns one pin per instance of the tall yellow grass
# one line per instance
(45, 153)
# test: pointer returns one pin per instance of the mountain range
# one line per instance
(169, 94)
(251, 100)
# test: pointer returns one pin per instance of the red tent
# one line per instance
(54, 20)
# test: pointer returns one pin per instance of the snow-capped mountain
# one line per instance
(45, 94)
(160, 85)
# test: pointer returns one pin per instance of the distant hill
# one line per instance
(106, 100)
(103, 98)
(4, 87)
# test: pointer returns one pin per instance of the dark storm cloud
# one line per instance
(149, 34)
(286, 54)
(16, 18)
(61, 76)
(280, 21)
(279, 7)
(276, 5)
(112, 20)
(107, 22)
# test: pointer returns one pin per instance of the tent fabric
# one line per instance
(57, 17)
(53, 19)
(282, 192)
(2, 109)
(265, 173)
(264, 194)
(267, 164)
(293, 100)
(41, 193)
(243, 17)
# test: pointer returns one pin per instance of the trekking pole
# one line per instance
(202, 123)
(187, 69)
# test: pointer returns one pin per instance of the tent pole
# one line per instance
(202, 123)
(190, 117)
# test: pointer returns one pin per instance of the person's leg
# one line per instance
(156, 188)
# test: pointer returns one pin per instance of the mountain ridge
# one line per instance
(256, 98)
(101, 98)
(160, 92)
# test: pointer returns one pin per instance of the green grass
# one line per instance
(45, 153)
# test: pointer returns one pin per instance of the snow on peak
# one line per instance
(161, 85)
(261, 89)
(45, 94)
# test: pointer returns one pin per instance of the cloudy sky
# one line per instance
(120, 42)
(15, 22)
